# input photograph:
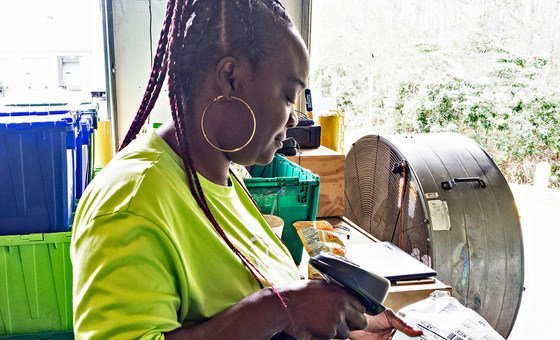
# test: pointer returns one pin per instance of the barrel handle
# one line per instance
(448, 185)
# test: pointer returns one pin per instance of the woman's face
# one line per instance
(271, 94)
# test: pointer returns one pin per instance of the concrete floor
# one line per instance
(540, 306)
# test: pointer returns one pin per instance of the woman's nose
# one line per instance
(293, 119)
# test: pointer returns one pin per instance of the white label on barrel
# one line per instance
(439, 214)
(431, 195)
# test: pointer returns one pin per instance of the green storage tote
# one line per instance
(285, 189)
(35, 283)
(40, 336)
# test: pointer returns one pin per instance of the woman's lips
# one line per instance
(278, 141)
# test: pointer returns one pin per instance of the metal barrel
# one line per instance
(441, 198)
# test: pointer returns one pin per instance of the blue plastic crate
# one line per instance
(83, 154)
(19, 110)
(37, 157)
(35, 104)
(90, 111)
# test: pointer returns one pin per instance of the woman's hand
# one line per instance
(317, 309)
(383, 326)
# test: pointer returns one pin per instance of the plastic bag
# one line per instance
(318, 236)
(442, 317)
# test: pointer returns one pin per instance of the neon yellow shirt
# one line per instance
(147, 260)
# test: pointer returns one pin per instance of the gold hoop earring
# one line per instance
(252, 116)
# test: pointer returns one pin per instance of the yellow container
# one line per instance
(103, 152)
(332, 130)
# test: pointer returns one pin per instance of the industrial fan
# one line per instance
(442, 199)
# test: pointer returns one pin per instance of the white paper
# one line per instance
(442, 317)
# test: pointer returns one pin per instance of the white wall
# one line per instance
(132, 55)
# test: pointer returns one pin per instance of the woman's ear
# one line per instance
(230, 74)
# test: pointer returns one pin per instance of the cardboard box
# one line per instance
(329, 165)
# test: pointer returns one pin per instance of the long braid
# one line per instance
(196, 31)
(175, 97)
(176, 57)
(157, 76)
(187, 49)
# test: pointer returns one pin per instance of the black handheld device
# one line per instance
(308, 102)
(289, 147)
(370, 288)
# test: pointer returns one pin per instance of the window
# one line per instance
(51, 52)
(487, 69)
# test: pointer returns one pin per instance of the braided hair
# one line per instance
(196, 34)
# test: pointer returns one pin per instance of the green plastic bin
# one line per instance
(40, 336)
(35, 283)
(285, 189)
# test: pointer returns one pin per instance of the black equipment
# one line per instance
(370, 288)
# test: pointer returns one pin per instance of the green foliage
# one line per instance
(427, 48)
(492, 72)
(517, 131)
(516, 61)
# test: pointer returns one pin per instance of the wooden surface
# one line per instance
(402, 293)
(329, 165)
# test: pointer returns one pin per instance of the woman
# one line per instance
(166, 241)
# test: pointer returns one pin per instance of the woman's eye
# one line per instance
(291, 101)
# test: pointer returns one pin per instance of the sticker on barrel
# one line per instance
(439, 214)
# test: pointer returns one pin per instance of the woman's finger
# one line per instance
(342, 330)
(357, 304)
(400, 325)
(355, 319)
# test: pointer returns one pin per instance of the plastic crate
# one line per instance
(35, 104)
(285, 189)
(90, 110)
(33, 110)
(40, 336)
(83, 154)
(15, 110)
(36, 284)
(37, 160)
